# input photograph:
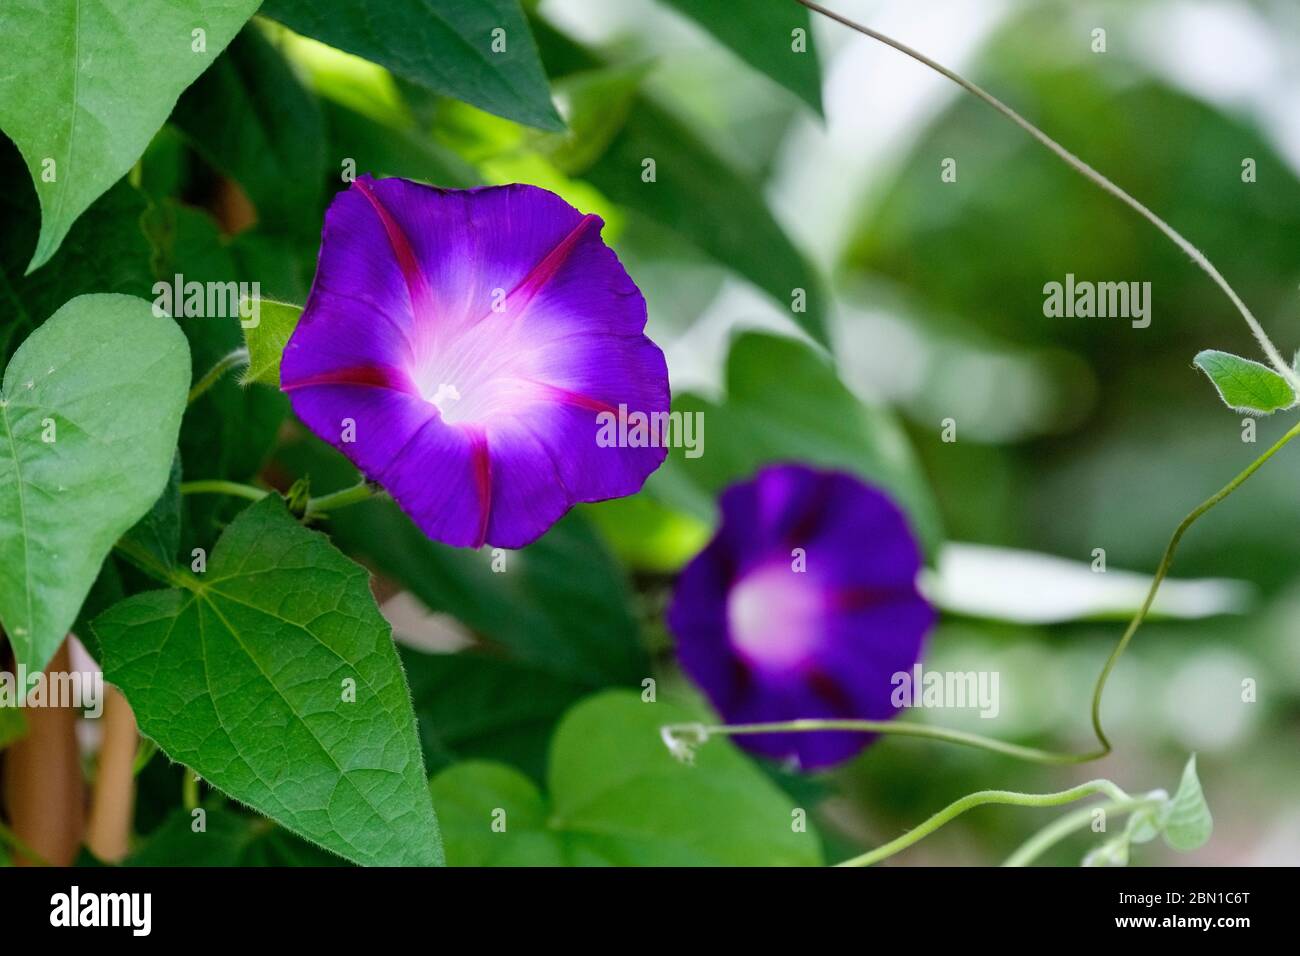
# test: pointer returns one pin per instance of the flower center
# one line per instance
(774, 617)
(443, 397)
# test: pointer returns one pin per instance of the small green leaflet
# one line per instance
(1245, 386)
(1188, 823)
(1183, 820)
(89, 413)
(652, 811)
(481, 53)
(266, 340)
(71, 95)
(274, 677)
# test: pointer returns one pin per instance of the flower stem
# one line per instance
(189, 789)
(235, 359)
(979, 799)
(1163, 568)
(218, 486)
(359, 492)
(1058, 830)
(701, 732)
(697, 733)
(1282, 367)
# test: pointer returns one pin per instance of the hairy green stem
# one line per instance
(218, 486)
(979, 799)
(235, 359)
(698, 733)
(359, 492)
(1282, 367)
(1058, 830)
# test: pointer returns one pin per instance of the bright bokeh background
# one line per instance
(1075, 434)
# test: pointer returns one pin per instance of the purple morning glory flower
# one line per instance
(804, 604)
(459, 345)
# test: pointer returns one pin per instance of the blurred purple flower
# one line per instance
(804, 604)
(458, 346)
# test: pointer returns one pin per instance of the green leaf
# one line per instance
(106, 251)
(106, 380)
(785, 403)
(87, 83)
(697, 194)
(1188, 823)
(155, 538)
(595, 104)
(617, 797)
(266, 341)
(763, 37)
(250, 118)
(1245, 386)
(242, 675)
(473, 705)
(444, 45)
(384, 150)
(562, 604)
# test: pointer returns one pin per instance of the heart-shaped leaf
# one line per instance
(1245, 386)
(1188, 824)
(89, 413)
(72, 93)
(618, 797)
(274, 677)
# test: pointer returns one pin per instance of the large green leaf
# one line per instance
(785, 403)
(698, 194)
(106, 251)
(106, 380)
(1245, 386)
(242, 675)
(763, 36)
(444, 45)
(617, 797)
(251, 118)
(86, 83)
